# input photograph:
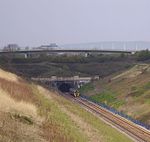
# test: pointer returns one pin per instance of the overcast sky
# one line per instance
(36, 22)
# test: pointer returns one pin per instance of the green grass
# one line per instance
(86, 88)
(140, 91)
(61, 122)
(109, 98)
(107, 133)
(147, 86)
(145, 117)
(52, 122)
(137, 92)
(128, 92)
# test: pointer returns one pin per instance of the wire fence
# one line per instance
(117, 112)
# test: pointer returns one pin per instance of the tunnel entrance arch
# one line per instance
(65, 86)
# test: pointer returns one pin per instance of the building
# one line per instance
(11, 48)
(51, 46)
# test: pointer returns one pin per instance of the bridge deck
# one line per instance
(63, 51)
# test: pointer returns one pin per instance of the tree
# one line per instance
(143, 55)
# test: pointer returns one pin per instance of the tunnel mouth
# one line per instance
(64, 87)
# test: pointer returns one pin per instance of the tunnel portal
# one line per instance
(65, 87)
(65, 83)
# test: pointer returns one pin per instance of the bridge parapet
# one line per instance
(55, 78)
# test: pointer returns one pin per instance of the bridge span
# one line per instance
(67, 51)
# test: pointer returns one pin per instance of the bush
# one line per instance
(143, 55)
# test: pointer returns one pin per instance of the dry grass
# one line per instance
(7, 104)
(25, 100)
(132, 88)
(21, 96)
(89, 130)
(23, 104)
(133, 72)
(8, 76)
(18, 90)
(89, 123)
(57, 126)
(19, 121)
(14, 130)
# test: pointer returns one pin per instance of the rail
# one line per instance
(138, 133)
(118, 112)
(135, 131)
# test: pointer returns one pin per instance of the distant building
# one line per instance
(51, 46)
(27, 48)
(11, 48)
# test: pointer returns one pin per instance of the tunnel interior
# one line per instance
(65, 87)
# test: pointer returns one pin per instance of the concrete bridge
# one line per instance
(29, 53)
(67, 51)
(65, 83)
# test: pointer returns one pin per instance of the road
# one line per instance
(66, 51)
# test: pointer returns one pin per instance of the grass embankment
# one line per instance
(31, 113)
(102, 130)
(128, 92)
(36, 118)
(87, 87)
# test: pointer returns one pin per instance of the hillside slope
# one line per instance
(31, 113)
(102, 65)
(128, 91)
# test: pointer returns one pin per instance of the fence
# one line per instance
(117, 112)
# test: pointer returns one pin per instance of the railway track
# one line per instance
(135, 131)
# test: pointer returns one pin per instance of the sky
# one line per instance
(36, 22)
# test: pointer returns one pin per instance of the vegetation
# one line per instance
(86, 87)
(29, 112)
(64, 65)
(127, 91)
(106, 133)
(108, 98)
(143, 55)
(45, 66)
